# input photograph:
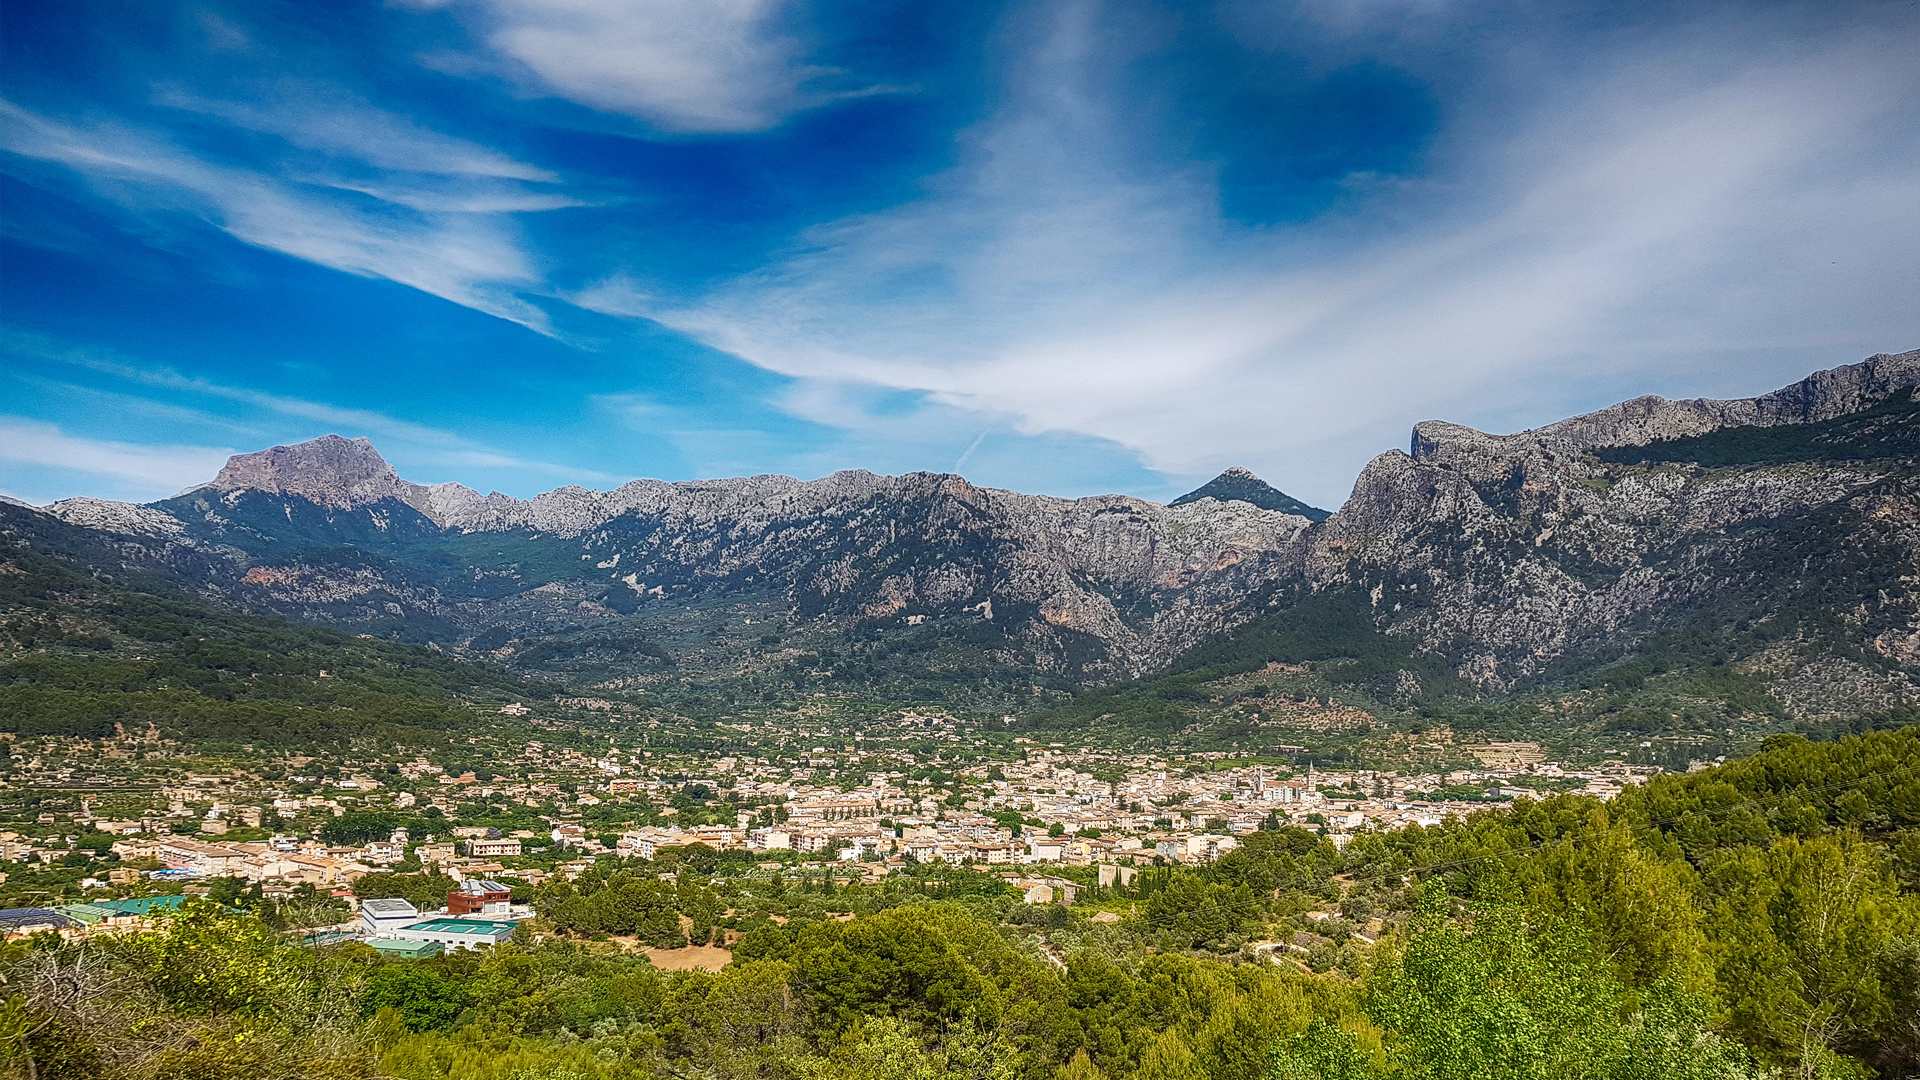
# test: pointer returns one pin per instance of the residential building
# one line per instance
(205, 860)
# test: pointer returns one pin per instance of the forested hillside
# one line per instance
(87, 655)
(1757, 919)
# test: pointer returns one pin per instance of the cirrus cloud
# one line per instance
(1665, 213)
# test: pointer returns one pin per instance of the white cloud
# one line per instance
(469, 259)
(317, 116)
(1666, 213)
(684, 65)
(156, 471)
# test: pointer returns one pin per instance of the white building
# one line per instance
(379, 917)
(455, 933)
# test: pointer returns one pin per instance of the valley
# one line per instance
(768, 777)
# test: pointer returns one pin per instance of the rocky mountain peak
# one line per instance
(1238, 484)
(330, 471)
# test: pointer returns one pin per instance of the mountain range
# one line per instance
(1774, 537)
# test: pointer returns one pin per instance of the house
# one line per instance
(647, 843)
(1210, 846)
(809, 841)
(993, 854)
(1044, 850)
(484, 849)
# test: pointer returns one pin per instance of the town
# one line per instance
(916, 790)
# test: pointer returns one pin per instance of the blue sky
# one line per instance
(1063, 247)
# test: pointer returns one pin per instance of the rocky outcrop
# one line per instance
(1510, 553)
(329, 471)
(117, 517)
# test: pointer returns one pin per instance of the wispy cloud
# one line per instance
(684, 65)
(428, 445)
(323, 117)
(469, 259)
(108, 362)
(156, 470)
(1670, 205)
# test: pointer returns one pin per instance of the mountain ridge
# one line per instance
(1498, 559)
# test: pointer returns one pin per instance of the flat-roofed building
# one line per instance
(20, 922)
(407, 949)
(454, 933)
(383, 916)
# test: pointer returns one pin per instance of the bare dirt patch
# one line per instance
(692, 958)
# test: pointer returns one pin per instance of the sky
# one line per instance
(1065, 247)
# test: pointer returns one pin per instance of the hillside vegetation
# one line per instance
(86, 656)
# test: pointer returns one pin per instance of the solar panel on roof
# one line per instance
(15, 918)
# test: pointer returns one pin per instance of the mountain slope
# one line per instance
(622, 581)
(1510, 554)
(85, 653)
(1699, 561)
(1238, 483)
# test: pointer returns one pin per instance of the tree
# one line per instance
(427, 892)
(206, 961)
(1496, 999)
(424, 999)
(1322, 1052)
(1803, 934)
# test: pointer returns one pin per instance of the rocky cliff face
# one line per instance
(1512, 554)
(1784, 524)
